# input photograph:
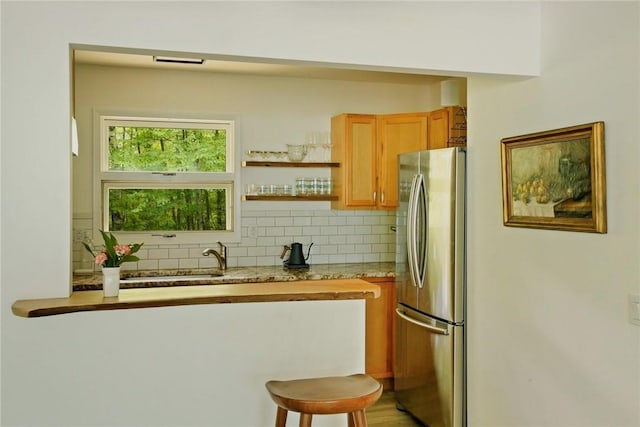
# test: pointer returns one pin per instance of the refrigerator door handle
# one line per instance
(411, 235)
(421, 234)
(415, 256)
(434, 329)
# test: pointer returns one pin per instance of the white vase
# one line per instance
(111, 281)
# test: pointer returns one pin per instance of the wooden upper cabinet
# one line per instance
(397, 133)
(448, 127)
(367, 148)
(354, 146)
(438, 128)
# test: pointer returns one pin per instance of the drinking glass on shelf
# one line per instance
(311, 141)
(324, 186)
(301, 188)
(251, 189)
(310, 186)
(325, 143)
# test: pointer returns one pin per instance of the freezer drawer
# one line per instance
(430, 369)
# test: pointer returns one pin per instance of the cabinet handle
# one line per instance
(382, 198)
(374, 195)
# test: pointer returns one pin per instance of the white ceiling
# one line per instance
(301, 70)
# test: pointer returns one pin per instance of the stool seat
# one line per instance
(328, 395)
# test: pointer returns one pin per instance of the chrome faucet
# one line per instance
(220, 256)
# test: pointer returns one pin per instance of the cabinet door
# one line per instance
(380, 330)
(354, 146)
(397, 133)
(438, 128)
(448, 127)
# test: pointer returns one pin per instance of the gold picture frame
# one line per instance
(555, 179)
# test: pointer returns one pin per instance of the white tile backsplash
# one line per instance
(337, 236)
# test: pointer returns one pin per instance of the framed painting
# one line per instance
(555, 179)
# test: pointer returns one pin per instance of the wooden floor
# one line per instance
(384, 413)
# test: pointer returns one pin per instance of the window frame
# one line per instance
(104, 179)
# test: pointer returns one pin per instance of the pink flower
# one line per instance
(101, 258)
(122, 250)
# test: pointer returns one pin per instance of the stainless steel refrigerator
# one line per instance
(430, 360)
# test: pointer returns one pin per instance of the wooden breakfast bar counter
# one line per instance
(308, 290)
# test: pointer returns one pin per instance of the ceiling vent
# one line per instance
(176, 60)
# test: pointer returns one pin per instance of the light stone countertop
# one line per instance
(260, 274)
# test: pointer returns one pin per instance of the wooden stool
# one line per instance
(349, 395)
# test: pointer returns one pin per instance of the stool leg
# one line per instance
(281, 417)
(350, 419)
(305, 420)
(360, 418)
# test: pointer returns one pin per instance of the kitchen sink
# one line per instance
(176, 278)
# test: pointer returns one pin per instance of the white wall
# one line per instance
(197, 366)
(35, 59)
(550, 344)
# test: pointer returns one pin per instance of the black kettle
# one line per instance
(296, 257)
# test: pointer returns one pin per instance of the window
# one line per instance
(167, 180)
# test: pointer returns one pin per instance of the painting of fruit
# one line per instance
(555, 179)
(551, 173)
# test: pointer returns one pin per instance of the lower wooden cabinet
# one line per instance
(380, 331)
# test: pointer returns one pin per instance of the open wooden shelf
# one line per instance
(314, 198)
(247, 163)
